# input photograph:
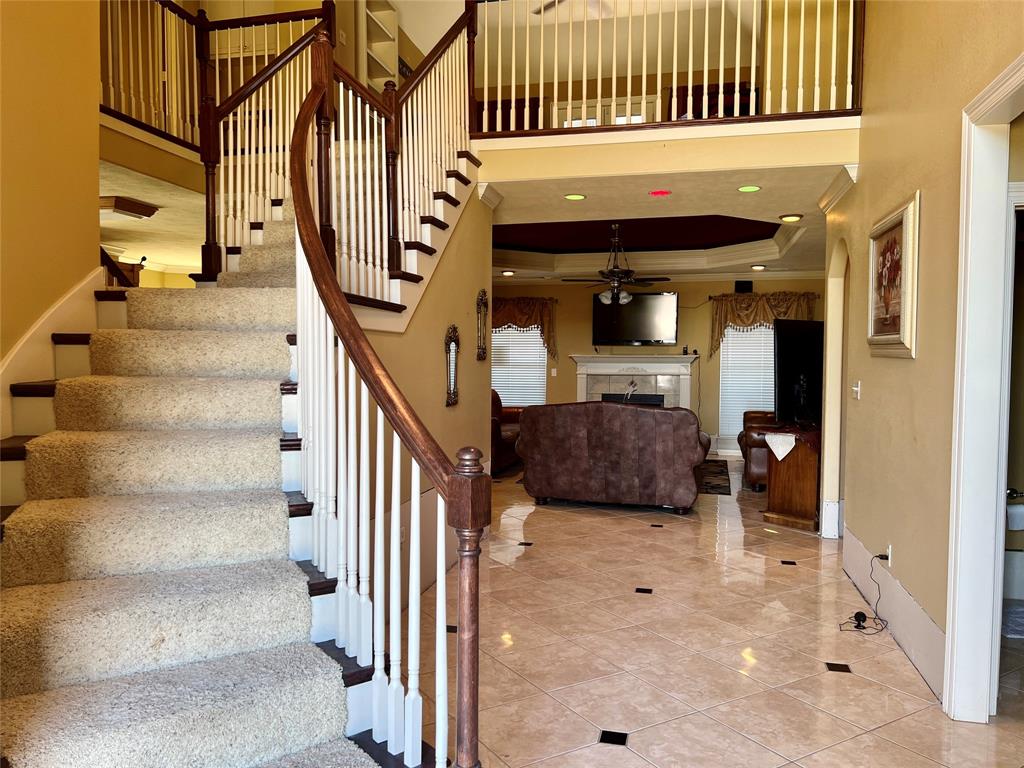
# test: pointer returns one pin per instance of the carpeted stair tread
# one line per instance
(234, 712)
(241, 309)
(56, 540)
(144, 402)
(270, 278)
(339, 753)
(74, 464)
(273, 256)
(238, 354)
(72, 632)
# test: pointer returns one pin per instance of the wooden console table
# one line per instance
(793, 481)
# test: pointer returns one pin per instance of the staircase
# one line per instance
(191, 572)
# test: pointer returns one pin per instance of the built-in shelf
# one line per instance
(378, 33)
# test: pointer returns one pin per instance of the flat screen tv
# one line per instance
(649, 319)
(799, 358)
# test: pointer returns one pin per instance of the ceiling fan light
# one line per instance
(625, 298)
(605, 297)
(507, 273)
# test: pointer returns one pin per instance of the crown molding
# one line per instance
(701, 277)
(1002, 100)
(841, 184)
(489, 194)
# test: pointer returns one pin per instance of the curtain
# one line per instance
(527, 312)
(750, 310)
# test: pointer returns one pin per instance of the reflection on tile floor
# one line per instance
(721, 663)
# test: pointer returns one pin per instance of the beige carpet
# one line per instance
(150, 616)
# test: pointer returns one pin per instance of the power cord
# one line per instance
(860, 621)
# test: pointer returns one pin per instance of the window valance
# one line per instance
(749, 310)
(527, 312)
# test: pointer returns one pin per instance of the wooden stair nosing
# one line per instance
(401, 274)
(435, 222)
(319, 584)
(416, 245)
(450, 199)
(379, 752)
(465, 154)
(111, 294)
(71, 339)
(459, 177)
(364, 301)
(298, 505)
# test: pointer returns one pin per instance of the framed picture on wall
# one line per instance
(892, 292)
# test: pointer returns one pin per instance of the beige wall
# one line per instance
(899, 434)
(573, 325)
(1015, 468)
(49, 165)
(416, 357)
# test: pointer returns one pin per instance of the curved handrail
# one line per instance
(405, 421)
(431, 58)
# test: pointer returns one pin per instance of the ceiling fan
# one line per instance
(595, 8)
(617, 275)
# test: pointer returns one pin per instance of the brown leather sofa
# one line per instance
(504, 433)
(612, 453)
(754, 448)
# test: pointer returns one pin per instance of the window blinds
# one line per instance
(748, 377)
(519, 365)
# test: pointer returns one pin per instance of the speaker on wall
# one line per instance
(744, 286)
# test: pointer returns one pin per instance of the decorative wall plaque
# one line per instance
(482, 308)
(451, 355)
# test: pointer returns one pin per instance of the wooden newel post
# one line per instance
(474, 118)
(392, 148)
(323, 75)
(209, 152)
(469, 510)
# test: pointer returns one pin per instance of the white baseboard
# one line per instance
(913, 629)
(32, 357)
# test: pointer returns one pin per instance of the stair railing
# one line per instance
(350, 393)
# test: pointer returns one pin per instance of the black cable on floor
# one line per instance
(870, 625)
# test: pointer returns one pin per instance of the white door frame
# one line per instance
(981, 400)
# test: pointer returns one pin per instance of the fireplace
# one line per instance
(657, 401)
(667, 378)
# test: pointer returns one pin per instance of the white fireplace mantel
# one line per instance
(678, 366)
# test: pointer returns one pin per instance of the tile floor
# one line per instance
(721, 663)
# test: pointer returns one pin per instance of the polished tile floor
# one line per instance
(699, 642)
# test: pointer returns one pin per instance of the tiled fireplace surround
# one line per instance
(668, 375)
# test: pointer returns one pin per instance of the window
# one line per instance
(519, 365)
(748, 377)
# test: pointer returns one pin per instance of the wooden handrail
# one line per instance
(431, 58)
(268, 18)
(258, 80)
(341, 75)
(180, 12)
(414, 433)
(114, 269)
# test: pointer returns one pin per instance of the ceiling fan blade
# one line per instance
(654, 279)
(546, 7)
(580, 280)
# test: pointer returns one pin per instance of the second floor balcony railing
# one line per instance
(569, 65)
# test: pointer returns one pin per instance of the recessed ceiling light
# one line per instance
(749, 188)
(575, 196)
(507, 273)
(660, 192)
(757, 267)
(791, 218)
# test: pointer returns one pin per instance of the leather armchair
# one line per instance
(504, 433)
(754, 448)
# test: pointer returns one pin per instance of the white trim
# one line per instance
(119, 126)
(831, 519)
(841, 184)
(980, 407)
(489, 194)
(918, 636)
(32, 357)
(657, 135)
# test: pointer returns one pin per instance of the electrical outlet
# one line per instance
(855, 389)
(554, 372)
(888, 551)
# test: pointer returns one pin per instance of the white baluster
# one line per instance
(800, 64)
(689, 68)
(352, 519)
(599, 111)
(413, 700)
(835, 52)
(675, 62)
(396, 691)
(526, 79)
(344, 510)
(498, 120)
(784, 106)
(629, 63)
(658, 98)
(817, 56)
(485, 123)
(755, 20)
(583, 93)
(643, 67)
(736, 66)
(441, 644)
(365, 643)
(849, 58)
(707, 46)
(768, 60)
(615, 63)
(721, 63)
(379, 682)
(555, 68)
(332, 438)
(512, 90)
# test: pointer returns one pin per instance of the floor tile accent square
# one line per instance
(644, 590)
(614, 737)
(836, 667)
